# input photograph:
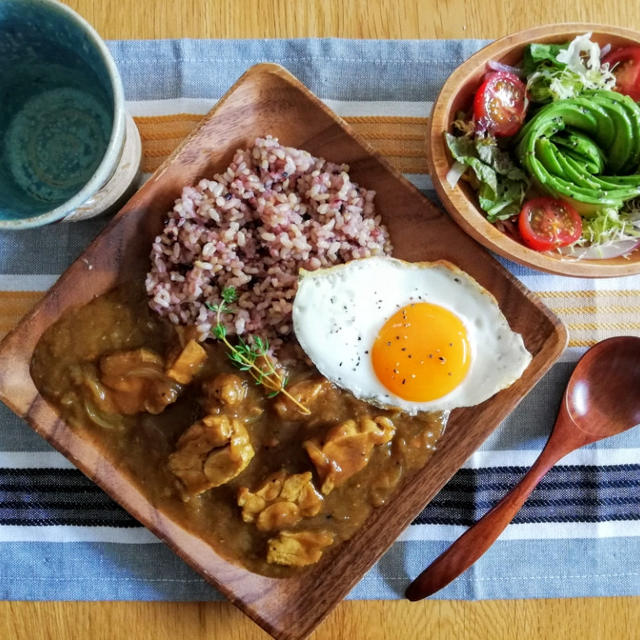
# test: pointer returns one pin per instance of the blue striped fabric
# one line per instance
(578, 535)
(585, 493)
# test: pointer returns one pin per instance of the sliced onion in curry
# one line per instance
(114, 421)
(145, 372)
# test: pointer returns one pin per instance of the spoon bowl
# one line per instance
(602, 399)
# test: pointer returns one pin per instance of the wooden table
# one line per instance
(594, 618)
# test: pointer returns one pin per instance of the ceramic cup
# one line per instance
(68, 149)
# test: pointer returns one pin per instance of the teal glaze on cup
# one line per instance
(62, 118)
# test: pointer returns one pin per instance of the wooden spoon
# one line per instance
(602, 399)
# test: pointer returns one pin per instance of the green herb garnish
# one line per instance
(252, 356)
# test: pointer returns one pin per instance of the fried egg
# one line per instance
(421, 336)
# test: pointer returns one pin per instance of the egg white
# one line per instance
(338, 312)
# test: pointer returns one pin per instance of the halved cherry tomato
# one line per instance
(545, 223)
(500, 104)
(626, 70)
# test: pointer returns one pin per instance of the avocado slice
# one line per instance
(585, 149)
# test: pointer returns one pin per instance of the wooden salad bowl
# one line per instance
(267, 99)
(461, 201)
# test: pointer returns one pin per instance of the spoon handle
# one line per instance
(478, 538)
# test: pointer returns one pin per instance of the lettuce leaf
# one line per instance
(490, 153)
(536, 54)
(500, 184)
(505, 202)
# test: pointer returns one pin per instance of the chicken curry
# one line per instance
(265, 484)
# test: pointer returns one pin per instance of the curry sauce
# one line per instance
(298, 484)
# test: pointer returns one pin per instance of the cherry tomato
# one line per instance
(500, 104)
(626, 70)
(545, 223)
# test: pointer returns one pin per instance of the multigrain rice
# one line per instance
(273, 211)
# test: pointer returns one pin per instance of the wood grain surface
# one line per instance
(580, 619)
(588, 619)
(343, 19)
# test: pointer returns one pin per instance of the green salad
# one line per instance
(552, 148)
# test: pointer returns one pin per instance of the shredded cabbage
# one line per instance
(579, 69)
(608, 231)
(609, 225)
(582, 55)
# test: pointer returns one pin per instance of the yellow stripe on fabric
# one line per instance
(387, 119)
(14, 305)
(155, 144)
(350, 119)
(588, 294)
(592, 316)
(149, 165)
(390, 135)
(159, 149)
(591, 309)
(603, 326)
(146, 120)
(155, 147)
(391, 130)
(583, 343)
(173, 132)
(400, 140)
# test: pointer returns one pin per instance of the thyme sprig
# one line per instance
(253, 356)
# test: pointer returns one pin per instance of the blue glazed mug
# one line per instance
(68, 150)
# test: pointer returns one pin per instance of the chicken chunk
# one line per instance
(347, 448)
(225, 388)
(186, 364)
(211, 452)
(307, 393)
(298, 548)
(136, 381)
(282, 501)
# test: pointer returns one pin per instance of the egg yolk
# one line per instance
(421, 353)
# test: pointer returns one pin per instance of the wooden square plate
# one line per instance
(267, 99)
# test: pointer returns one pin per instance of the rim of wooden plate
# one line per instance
(460, 201)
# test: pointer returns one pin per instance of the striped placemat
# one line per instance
(578, 535)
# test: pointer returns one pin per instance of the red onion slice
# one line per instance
(605, 50)
(498, 66)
